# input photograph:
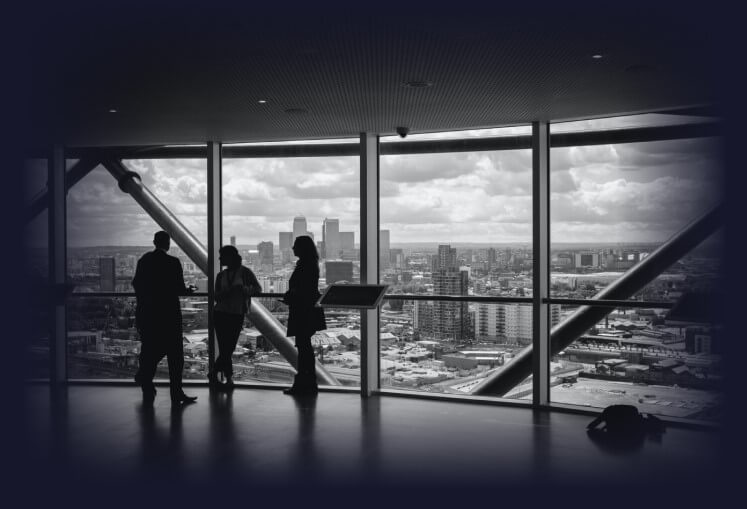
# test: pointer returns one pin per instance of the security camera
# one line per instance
(402, 131)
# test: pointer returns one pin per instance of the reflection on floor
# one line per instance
(262, 436)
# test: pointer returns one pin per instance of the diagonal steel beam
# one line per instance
(74, 175)
(266, 323)
(585, 317)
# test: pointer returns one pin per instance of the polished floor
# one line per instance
(262, 436)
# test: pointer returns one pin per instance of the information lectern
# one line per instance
(352, 296)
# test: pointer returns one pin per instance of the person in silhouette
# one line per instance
(304, 316)
(234, 287)
(158, 283)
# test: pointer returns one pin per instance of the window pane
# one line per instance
(661, 363)
(420, 349)
(108, 232)
(267, 202)
(613, 205)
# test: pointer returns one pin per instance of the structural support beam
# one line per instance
(72, 177)
(570, 329)
(266, 323)
(215, 237)
(369, 260)
(57, 266)
(541, 263)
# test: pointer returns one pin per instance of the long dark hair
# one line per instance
(306, 249)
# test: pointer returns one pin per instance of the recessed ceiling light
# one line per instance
(262, 101)
(597, 56)
(417, 84)
(112, 110)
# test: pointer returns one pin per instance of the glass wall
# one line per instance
(267, 203)
(611, 207)
(107, 232)
(454, 224)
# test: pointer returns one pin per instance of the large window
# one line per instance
(454, 223)
(267, 203)
(107, 232)
(612, 206)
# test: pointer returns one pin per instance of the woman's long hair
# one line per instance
(306, 249)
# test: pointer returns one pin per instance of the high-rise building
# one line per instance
(285, 241)
(331, 239)
(445, 320)
(107, 274)
(492, 257)
(299, 227)
(338, 271)
(447, 257)
(347, 240)
(396, 258)
(384, 249)
(265, 254)
(510, 323)
(233, 240)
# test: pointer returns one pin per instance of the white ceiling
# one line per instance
(191, 74)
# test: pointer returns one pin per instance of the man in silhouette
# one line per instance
(158, 283)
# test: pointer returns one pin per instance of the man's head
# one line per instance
(162, 240)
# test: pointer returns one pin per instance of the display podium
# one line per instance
(352, 296)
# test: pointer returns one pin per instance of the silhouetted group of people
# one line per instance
(159, 282)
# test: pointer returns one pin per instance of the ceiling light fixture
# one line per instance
(597, 56)
(262, 101)
(112, 110)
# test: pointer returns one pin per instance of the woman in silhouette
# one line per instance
(233, 288)
(304, 316)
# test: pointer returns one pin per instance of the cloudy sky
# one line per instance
(607, 193)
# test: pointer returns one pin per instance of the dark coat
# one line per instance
(304, 318)
(158, 283)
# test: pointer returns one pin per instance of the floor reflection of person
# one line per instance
(158, 283)
(305, 317)
(234, 287)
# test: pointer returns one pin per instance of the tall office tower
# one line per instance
(396, 258)
(492, 257)
(331, 238)
(384, 249)
(347, 240)
(233, 240)
(107, 275)
(265, 254)
(285, 241)
(299, 227)
(508, 323)
(447, 257)
(446, 320)
(338, 271)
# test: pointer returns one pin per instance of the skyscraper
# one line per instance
(107, 275)
(447, 257)
(233, 240)
(384, 249)
(331, 239)
(265, 254)
(285, 241)
(299, 227)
